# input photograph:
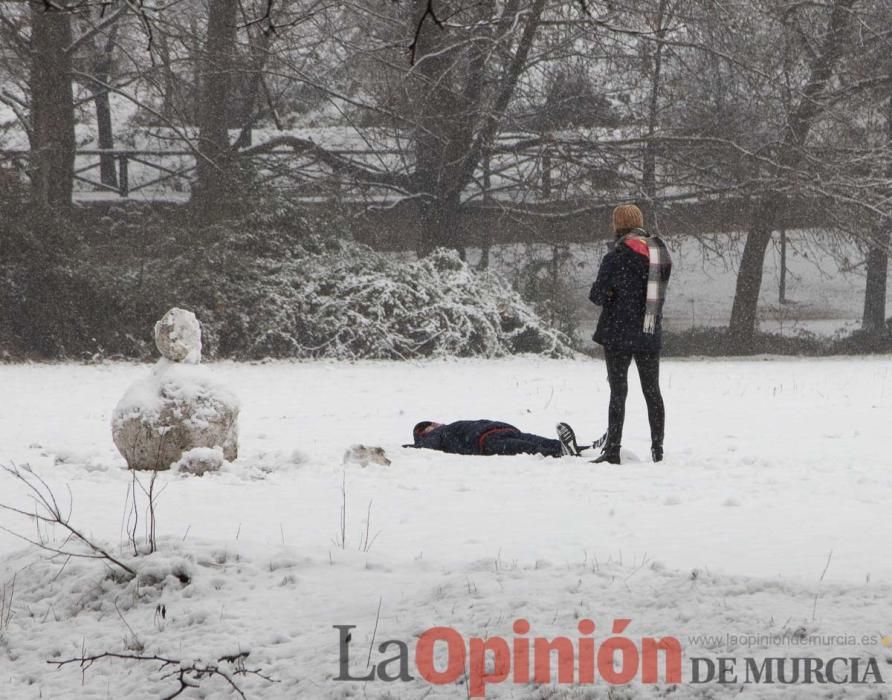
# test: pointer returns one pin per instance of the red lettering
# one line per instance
(501, 656)
(542, 653)
(650, 663)
(455, 655)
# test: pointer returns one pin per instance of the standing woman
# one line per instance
(631, 289)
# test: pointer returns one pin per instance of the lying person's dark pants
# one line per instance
(510, 442)
(648, 364)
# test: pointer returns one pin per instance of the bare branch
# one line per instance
(428, 12)
(187, 675)
(334, 161)
(96, 29)
(48, 511)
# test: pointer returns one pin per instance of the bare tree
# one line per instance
(103, 51)
(662, 19)
(445, 75)
(215, 180)
(52, 105)
(45, 48)
(788, 154)
(874, 317)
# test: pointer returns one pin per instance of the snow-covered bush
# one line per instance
(264, 287)
(361, 304)
(326, 297)
(59, 296)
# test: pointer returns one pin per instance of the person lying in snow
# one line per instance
(490, 437)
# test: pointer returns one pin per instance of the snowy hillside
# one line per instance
(769, 516)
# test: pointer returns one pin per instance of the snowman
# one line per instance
(179, 410)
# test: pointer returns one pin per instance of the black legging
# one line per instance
(648, 364)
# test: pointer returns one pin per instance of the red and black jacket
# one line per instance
(463, 437)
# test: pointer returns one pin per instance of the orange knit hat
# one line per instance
(627, 216)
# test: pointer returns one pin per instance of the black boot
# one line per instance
(609, 455)
(656, 451)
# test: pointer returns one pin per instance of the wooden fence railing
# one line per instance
(122, 160)
(509, 174)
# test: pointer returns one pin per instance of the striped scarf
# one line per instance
(657, 277)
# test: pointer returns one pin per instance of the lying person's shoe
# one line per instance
(568, 440)
(600, 442)
(609, 455)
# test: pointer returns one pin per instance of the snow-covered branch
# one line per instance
(188, 674)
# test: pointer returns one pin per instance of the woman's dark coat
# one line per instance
(621, 290)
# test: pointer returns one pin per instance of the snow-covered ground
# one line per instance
(769, 516)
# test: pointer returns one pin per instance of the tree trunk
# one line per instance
(168, 83)
(440, 224)
(649, 171)
(52, 108)
(749, 282)
(250, 86)
(105, 133)
(443, 133)
(486, 243)
(749, 277)
(215, 180)
(782, 283)
(874, 318)
(107, 173)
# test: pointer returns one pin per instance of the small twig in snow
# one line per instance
(374, 632)
(814, 607)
